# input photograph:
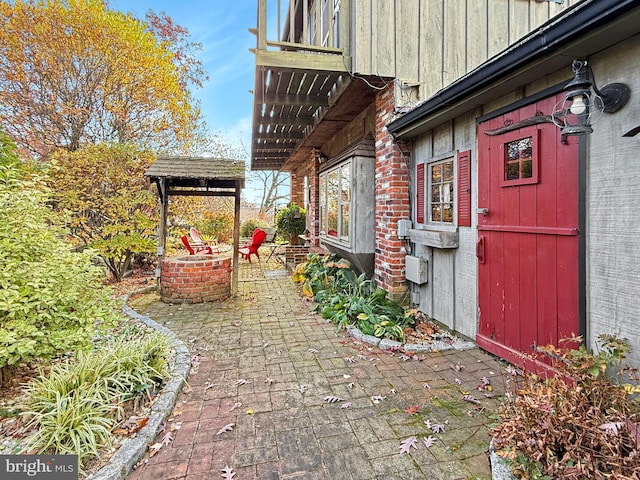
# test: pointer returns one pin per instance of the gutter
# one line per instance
(571, 25)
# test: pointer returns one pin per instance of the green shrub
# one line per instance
(249, 225)
(51, 300)
(74, 407)
(291, 222)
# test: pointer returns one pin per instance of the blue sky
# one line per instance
(221, 26)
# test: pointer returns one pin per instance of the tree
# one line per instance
(113, 209)
(74, 72)
(271, 183)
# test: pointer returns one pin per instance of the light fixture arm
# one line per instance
(614, 95)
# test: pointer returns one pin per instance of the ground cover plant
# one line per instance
(582, 422)
(348, 299)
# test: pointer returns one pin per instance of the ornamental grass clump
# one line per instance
(73, 408)
(583, 422)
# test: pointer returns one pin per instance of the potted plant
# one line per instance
(291, 222)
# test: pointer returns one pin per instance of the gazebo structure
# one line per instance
(197, 177)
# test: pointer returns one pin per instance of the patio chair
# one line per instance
(204, 250)
(196, 241)
(257, 239)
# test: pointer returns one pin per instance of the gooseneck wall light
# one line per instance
(581, 107)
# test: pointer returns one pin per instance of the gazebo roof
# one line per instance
(197, 172)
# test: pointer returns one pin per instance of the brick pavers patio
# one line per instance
(291, 361)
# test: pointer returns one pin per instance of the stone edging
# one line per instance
(386, 344)
(499, 469)
(133, 449)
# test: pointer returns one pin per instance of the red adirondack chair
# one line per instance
(257, 238)
(205, 250)
(199, 243)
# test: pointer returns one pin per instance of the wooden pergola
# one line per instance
(198, 177)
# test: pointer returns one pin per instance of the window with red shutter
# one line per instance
(464, 188)
(420, 193)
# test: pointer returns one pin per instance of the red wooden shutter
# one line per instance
(420, 193)
(464, 188)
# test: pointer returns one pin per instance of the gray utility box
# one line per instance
(416, 269)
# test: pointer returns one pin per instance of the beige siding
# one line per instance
(384, 38)
(477, 31)
(455, 35)
(430, 43)
(435, 42)
(407, 24)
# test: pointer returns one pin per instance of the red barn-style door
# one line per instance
(528, 235)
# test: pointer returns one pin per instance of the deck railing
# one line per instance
(304, 25)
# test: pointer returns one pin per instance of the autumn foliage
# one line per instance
(74, 72)
(111, 206)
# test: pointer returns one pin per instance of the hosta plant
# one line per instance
(349, 299)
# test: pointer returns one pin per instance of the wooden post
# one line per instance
(236, 240)
(162, 230)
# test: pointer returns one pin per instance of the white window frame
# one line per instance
(428, 203)
(342, 236)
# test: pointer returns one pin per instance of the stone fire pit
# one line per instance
(195, 279)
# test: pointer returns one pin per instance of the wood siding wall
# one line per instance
(431, 43)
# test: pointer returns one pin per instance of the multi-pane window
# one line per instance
(335, 202)
(441, 188)
(520, 158)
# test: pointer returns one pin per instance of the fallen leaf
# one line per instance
(634, 430)
(228, 473)
(132, 425)
(226, 428)
(405, 445)
(611, 427)
(332, 399)
(471, 399)
(429, 441)
(250, 411)
(155, 448)
(413, 409)
(167, 438)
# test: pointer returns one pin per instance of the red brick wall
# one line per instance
(392, 199)
(297, 188)
(310, 170)
(196, 279)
